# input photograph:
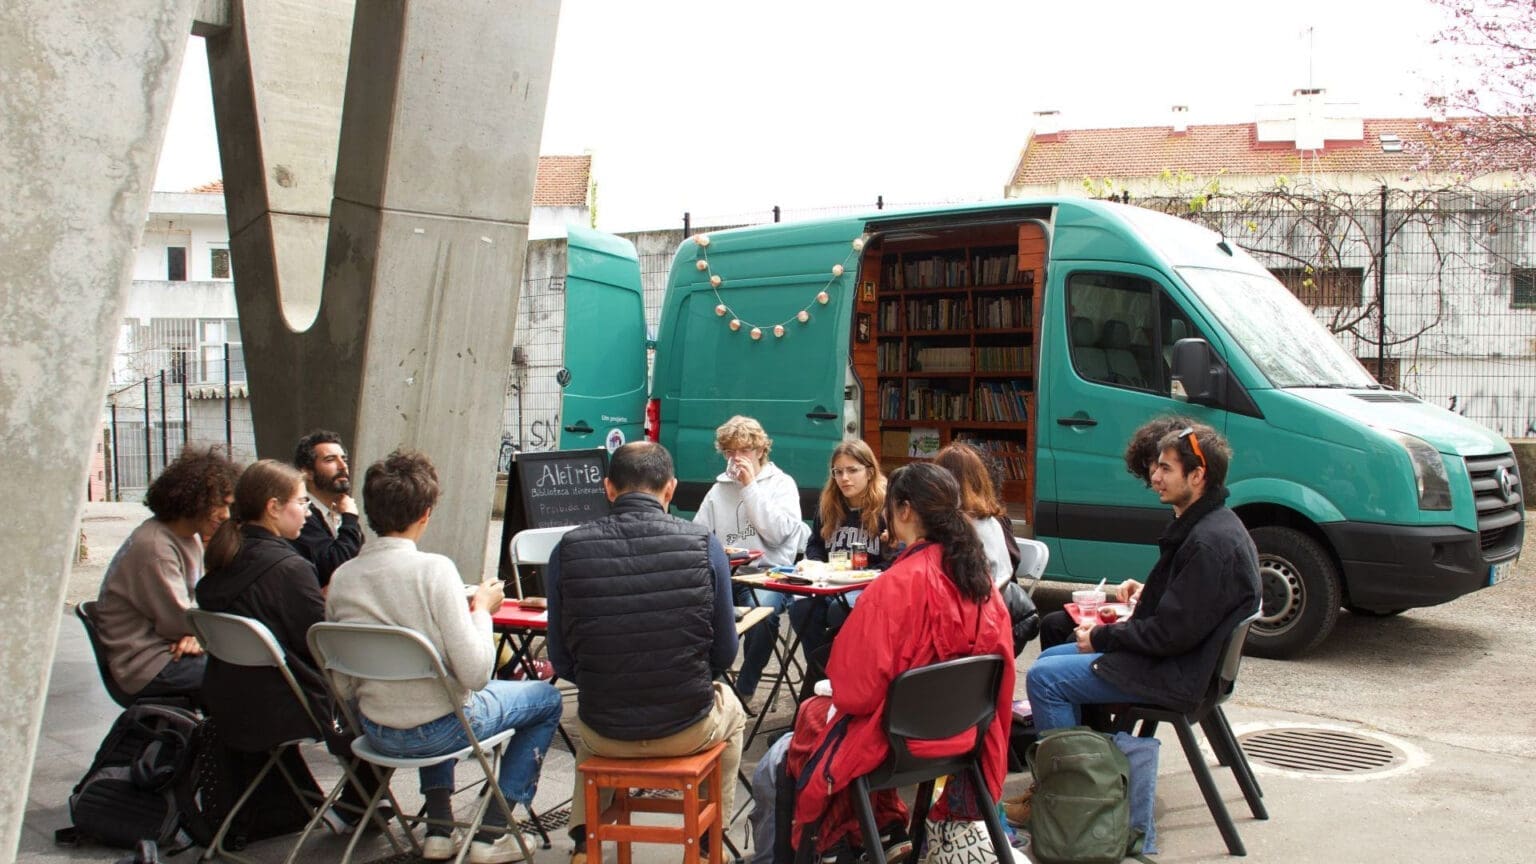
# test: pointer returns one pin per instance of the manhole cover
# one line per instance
(1319, 751)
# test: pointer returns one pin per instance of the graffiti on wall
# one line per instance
(541, 435)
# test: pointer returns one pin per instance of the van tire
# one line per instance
(1300, 587)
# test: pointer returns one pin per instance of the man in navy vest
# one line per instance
(641, 619)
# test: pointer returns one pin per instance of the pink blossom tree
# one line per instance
(1489, 117)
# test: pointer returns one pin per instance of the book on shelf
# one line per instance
(928, 402)
(1010, 454)
(1001, 402)
(1004, 358)
(895, 442)
(923, 443)
(951, 359)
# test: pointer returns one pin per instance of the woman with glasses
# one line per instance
(849, 519)
(254, 572)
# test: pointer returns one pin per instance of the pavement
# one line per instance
(1439, 694)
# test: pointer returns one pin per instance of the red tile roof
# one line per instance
(562, 182)
(1147, 151)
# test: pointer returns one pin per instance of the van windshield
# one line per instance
(1278, 332)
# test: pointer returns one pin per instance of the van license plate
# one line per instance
(1499, 572)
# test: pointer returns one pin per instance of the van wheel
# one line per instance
(1300, 588)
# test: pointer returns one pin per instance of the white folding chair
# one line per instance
(532, 547)
(241, 641)
(375, 652)
(1033, 556)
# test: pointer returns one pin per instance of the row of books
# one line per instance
(1001, 402)
(927, 402)
(891, 356)
(1010, 454)
(998, 358)
(1003, 311)
(941, 359)
(953, 270)
(992, 313)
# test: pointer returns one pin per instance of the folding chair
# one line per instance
(1213, 721)
(532, 547)
(931, 703)
(1033, 556)
(242, 641)
(374, 652)
(85, 610)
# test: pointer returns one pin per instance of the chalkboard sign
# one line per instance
(550, 489)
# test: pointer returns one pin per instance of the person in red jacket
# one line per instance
(936, 602)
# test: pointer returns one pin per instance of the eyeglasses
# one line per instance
(1194, 444)
(848, 472)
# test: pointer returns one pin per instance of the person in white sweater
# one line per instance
(754, 505)
(392, 582)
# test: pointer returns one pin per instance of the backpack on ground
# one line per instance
(1081, 811)
(129, 793)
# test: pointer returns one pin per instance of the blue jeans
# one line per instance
(530, 707)
(1060, 681)
(759, 641)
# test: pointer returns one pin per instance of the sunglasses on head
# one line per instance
(1194, 443)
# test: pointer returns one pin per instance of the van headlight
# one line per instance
(1434, 484)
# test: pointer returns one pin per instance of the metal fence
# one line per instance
(146, 423)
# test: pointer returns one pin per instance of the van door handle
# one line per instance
(580, 427)
(1076, 421)
(821, 415)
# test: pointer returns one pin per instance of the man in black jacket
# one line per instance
(331, 535)
(1205, 581)
(641, 620)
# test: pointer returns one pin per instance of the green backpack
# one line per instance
(1080, 811)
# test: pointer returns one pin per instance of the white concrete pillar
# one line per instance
(85, 94)
(411, 338)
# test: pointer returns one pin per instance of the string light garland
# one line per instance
(803, 316)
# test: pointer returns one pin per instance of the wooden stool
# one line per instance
(682, 773)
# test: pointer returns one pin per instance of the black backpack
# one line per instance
(138, 782)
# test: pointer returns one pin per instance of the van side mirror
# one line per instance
(1197, 376)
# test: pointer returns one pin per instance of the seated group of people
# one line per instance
(641, 612)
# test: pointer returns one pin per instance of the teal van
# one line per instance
(1045, 332)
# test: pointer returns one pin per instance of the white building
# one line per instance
(180, 322)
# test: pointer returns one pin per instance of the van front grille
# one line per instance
(1500, 510)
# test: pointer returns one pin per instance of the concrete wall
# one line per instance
(86, 98)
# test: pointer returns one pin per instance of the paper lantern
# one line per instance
(803, 316)
(701, 264)
(702, 240)
(837, 270)
(720, 310)
(778, 330)
(822, 298)
(858, 244)
(757, 333)
(735, 323)
(714, 281)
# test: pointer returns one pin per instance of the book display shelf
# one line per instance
(954, 349)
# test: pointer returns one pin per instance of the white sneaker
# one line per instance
(504, 850)
(438, 848)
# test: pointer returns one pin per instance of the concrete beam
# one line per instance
(84, 103)
(409, 343)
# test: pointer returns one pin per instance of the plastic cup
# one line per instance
(1088, 603)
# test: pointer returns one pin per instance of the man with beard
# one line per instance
(332, 535)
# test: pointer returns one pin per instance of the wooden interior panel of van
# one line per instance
(953, 348)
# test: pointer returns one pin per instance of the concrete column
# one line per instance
(85, 94)
(411, 339)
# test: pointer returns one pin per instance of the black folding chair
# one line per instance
(1213, 721)
(930, 703)
(85, 610)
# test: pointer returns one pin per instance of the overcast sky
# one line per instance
(725, 109)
